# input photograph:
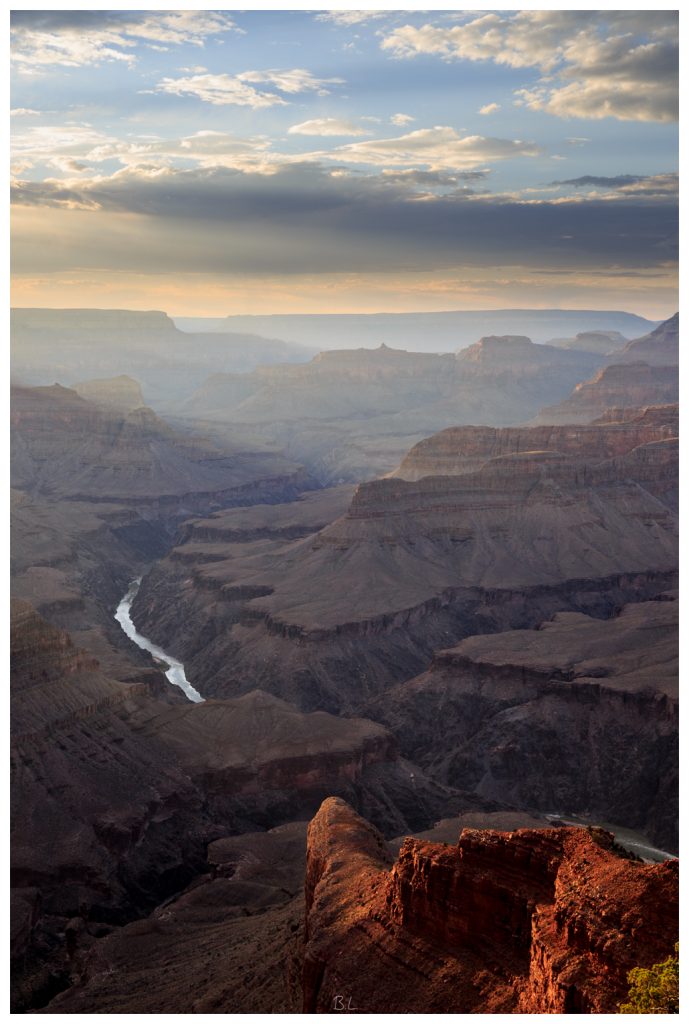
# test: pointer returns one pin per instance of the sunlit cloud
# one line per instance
(77, 38)
(327, 126)
(436, 148)
(621, 64)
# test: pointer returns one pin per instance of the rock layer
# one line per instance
(533, 921)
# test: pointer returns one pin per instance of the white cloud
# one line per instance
(220, 90)
(439, 148)
(401, 120)
(490, 108)
(76, 38)
(620, 64)
(294, 81)
(349, 18)
(24, 112)
(327, 126)
(238, 90)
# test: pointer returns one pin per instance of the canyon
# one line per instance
(501, 922)
(416, 624)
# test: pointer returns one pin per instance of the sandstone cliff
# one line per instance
(533, 921)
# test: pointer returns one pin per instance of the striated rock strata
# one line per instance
(532, 921)
(578, 716)
(349, 415)
(333, 618)
(116, 794)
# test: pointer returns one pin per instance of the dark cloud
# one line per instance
(599, 181)
(304, 219)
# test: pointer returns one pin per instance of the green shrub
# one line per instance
(654, 989)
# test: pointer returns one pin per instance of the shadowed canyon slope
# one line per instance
(116, 794)
(578, 716)
(98, 493)
(533, 921)
(332, 618)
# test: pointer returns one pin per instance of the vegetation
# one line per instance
(654, 989)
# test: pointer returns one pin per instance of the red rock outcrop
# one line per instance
(532, 921)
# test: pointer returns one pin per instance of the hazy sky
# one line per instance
(253, 162)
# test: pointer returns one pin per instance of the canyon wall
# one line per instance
(532, 921)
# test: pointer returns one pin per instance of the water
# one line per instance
(175, 669)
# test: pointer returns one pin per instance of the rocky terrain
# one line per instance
(333, 618)
(351, 415)
(643, 372)
(98, 494)
(532, 921)
(484, 638)
(116, 794)
(68, 345)
(577, 716)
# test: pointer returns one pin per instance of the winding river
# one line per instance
(175, 669)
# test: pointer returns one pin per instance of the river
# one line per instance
(175, 669)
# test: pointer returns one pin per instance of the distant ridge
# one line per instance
(423, 332)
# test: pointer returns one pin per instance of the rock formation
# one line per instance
(349, 415)
(115, 794)
(65, 345)
(642, 373)
(532, 921)
(658, 348)
(333, 618)
(600, 342)
(619, 386)
(578, 716)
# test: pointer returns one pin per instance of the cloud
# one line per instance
(24, 112)
(490, 108)
(327, 126)
(220, 90)
(621, 64)
(436, 148)
(294, 81)
(348, 18)
(303, 219)
(237, 90)
(401, 120)
(43, 39)
(657, 186)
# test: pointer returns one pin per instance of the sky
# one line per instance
(234, 162)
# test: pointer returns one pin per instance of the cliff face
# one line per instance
(459, 450)
(350, 415)
(659, 348)
(578, 716)
(67, 447)
(115, 794)
(533, 921)
(330, 618)
(627, 385)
